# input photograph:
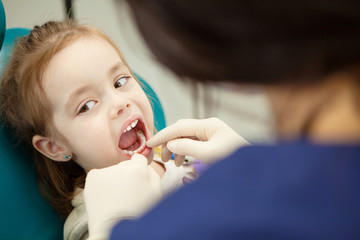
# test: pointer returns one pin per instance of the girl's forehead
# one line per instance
(84, 51)
(83, 60)
(85, 57)
(90, 43)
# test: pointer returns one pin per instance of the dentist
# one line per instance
(306, 56)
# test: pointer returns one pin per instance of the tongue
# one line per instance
(128, 139)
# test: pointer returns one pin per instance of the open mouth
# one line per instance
(133, 138)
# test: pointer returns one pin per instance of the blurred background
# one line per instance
(179, 99)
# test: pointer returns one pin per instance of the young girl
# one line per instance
(69, 92)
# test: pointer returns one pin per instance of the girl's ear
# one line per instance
(50, 148)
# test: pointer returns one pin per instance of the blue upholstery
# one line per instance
(25, 214)
(8, 43)
(2, 23)
(159, 117)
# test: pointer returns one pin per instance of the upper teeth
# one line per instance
(131, 126)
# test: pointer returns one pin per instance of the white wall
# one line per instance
(247, 113)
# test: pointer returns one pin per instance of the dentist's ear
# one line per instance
(50, 148)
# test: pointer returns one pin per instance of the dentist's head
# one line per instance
(251, 41)
(303, 52)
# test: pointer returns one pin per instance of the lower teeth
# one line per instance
(141, 135)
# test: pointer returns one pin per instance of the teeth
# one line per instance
(142, 146)
(131, 126)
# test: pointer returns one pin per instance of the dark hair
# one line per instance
(251, 41)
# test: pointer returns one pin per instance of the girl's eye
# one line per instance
(87, 106)
(120, 82)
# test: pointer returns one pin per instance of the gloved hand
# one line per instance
(207, 140)
(123, 191)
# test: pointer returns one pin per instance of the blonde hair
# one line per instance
(25, 106)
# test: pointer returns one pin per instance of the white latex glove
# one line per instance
(207, 140)
(123, 191)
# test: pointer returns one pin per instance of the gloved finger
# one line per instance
(137, 161)
(138, 158)
(182, 128)
(194, 148)
(179, 159)
(165, 153)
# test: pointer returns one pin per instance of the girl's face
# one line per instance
(98, 107)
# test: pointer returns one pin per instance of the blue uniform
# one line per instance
(291, 190)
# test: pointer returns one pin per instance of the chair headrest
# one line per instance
(2, 24)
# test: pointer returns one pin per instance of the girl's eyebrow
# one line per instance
(74, 94)
(117, 66)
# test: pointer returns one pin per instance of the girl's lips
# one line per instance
(140, 125)
(129, 121)
(146, 151)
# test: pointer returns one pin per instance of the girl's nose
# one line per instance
(118, 107)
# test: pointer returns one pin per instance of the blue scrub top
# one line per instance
(291, 190)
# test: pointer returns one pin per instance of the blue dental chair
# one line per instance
(24, 213)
